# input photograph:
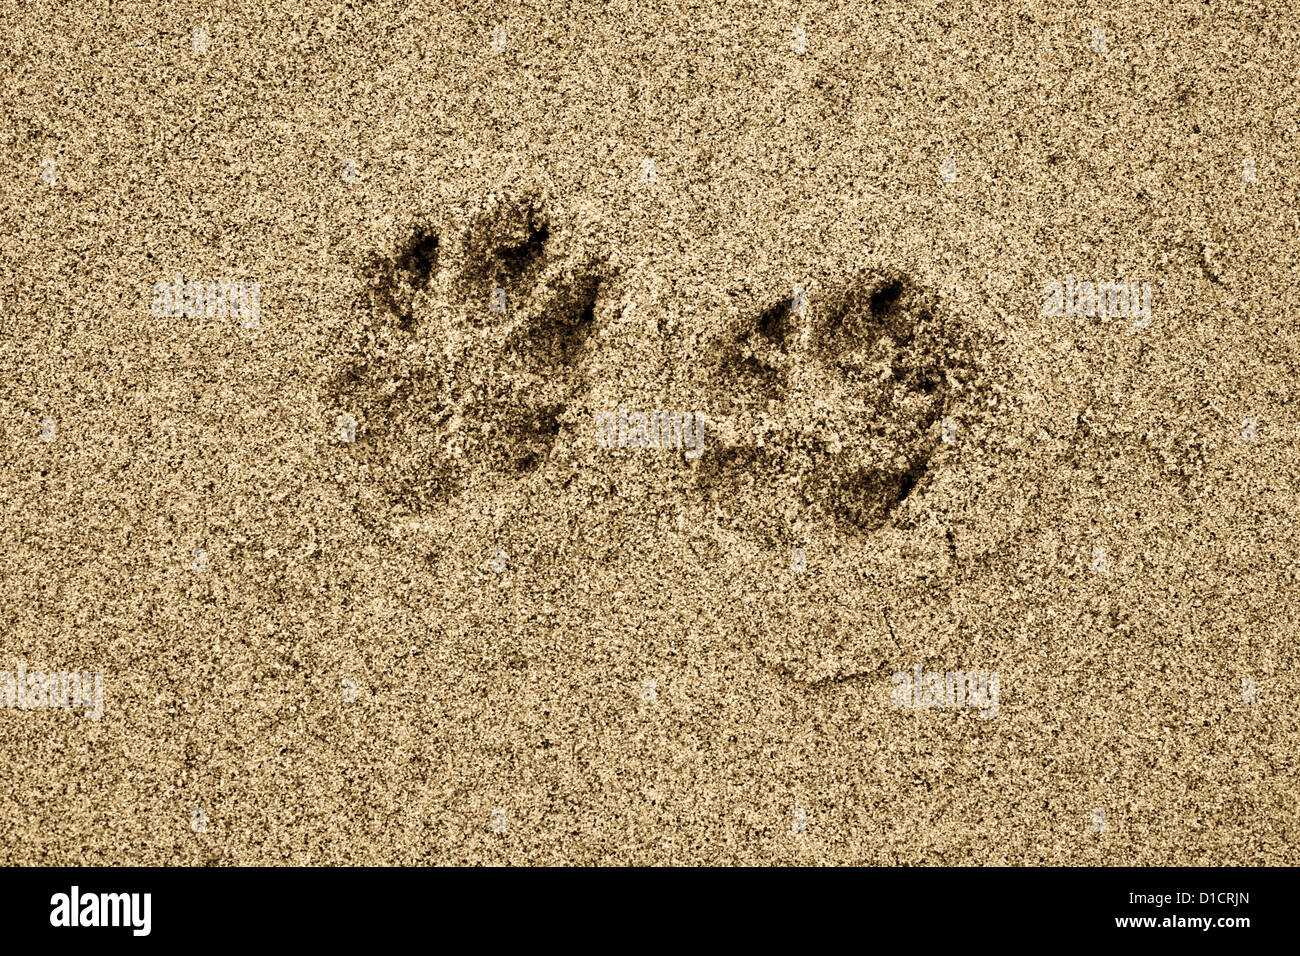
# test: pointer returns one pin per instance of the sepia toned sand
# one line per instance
(472, 635)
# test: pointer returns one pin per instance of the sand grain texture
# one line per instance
(472, 635)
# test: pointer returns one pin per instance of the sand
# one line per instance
(366, 549)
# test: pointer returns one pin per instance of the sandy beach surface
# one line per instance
(649, 433)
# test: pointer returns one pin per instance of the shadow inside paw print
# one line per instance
(832, 406)
(394, 281)
(468, 354)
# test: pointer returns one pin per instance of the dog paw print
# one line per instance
(468, 354)
(832, 404)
